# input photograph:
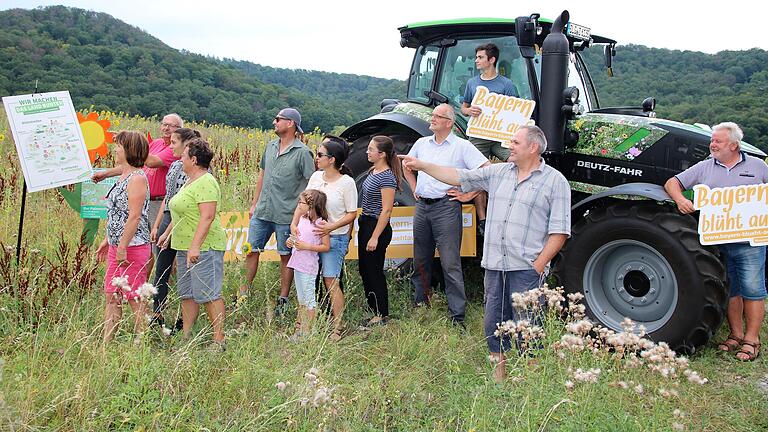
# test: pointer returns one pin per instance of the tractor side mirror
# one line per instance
(436, 96)
(609, 51)
(526, 30)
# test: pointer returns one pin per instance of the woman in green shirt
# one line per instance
(200, 240)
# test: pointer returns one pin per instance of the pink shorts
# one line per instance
(135, 269)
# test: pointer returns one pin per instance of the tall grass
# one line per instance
(416, 373)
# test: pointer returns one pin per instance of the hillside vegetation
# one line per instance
(112, 65)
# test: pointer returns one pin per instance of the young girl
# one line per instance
(304, 258)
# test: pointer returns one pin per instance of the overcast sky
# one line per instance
(361, 37)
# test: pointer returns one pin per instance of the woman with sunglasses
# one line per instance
(334, 180)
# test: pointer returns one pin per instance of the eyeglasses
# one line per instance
(169, 125)
(440, 116)
(277, 119)
(321, 154)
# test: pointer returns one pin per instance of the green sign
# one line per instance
(93, 198)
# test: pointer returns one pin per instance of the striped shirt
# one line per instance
(372, 187)
(521, 215)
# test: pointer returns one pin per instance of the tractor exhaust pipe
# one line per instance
(554, 78)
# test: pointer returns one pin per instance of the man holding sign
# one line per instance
(486, 57)
(729, 167)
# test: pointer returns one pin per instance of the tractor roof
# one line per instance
(415, 34)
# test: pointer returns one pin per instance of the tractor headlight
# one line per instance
(571, 95)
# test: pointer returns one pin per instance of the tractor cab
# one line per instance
(445, 58)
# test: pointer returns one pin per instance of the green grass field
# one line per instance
(417, 373)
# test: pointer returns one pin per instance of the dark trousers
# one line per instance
(163, 267)
(439, 225)
(371, 265)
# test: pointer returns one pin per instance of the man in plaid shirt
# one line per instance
(529, 220)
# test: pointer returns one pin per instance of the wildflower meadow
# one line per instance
(416, 373)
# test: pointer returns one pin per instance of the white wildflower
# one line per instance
(322, 396)
(147, 292)
(590, 375)
(569, 385)
(694, 377)
(281, 386)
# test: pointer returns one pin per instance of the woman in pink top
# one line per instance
(305, 259)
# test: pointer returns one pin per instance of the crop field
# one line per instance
(418, 373)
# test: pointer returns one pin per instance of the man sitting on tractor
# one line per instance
(486, 57)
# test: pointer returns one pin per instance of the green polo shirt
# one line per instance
(285, 176)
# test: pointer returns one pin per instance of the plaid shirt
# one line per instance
(520, 215)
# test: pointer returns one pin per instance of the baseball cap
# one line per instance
(291, 114)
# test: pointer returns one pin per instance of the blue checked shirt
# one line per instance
(521, 215)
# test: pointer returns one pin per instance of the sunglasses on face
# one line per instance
(321, 154)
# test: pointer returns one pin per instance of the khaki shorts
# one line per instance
(488, 148)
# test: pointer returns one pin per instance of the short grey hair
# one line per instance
(535, 135)
(177, 117)
(449, 110)
(735, 134)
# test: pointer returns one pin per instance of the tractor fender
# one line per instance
(645, 190)
(386, 123)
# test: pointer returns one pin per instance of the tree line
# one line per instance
(114, 66)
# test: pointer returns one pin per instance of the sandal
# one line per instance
(336, 335)
(728, 346)
(750, 356)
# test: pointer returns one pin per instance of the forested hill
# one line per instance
(690, 86)
(112, 65)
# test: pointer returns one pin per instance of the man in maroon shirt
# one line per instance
(156, 168)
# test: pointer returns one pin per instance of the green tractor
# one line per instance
(631, 253)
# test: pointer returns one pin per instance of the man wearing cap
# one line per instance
(745, 264)
(529, 213)
(437, 221)
(286, 166)
(156, 168)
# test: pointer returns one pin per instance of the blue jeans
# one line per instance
(745, 265)
(333, 260)
(499, 287)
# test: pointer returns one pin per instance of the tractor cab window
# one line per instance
(577, 79)
(458, 66)
(422, 73)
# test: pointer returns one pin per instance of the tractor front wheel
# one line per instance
(643, 261)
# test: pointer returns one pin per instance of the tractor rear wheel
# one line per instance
(643, 261)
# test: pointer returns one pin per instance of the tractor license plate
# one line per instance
(578, 31)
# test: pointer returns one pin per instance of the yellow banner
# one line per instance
(236, 226)
(501, 115)
(732, 214)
